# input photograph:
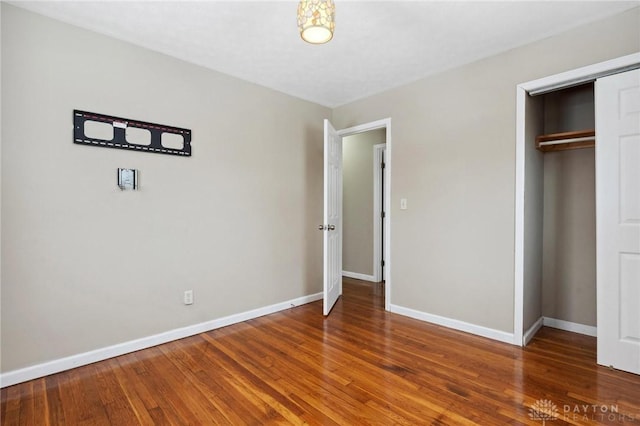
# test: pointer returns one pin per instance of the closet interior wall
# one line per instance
(569, 208)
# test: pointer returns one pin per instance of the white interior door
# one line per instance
(618, 220)
(332, 227)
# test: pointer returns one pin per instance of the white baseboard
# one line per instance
(589, 330)
(40, 370)
(358, 276)
(478, 330)
(528, 335)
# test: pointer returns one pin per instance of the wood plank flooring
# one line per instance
(361, 365)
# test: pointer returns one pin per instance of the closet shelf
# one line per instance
(566, 140)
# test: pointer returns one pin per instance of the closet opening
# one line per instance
(568, 209)
(560, 212)
(554, 258)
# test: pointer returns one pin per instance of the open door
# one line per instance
(332, 226)
(618, 220)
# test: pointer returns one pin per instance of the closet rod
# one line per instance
(566, 140)
(572, 140)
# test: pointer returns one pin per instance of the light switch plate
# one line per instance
(403, 204)
(127, 179)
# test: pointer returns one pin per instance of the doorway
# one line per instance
(333, 209)
(616, 186)
(362, 207)
(527, 171)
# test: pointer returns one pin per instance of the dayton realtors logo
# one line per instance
(543, 410)
(596, 413)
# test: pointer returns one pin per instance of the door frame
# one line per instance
(379, 254)
(381, 124)
(544, 85)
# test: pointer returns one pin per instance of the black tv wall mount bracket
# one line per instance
(177, 142)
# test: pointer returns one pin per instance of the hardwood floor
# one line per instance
(361, 365)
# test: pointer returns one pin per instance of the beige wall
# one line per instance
(452, 250)
(357, 203)
(569, 241)
(569, 109)
(91, 266)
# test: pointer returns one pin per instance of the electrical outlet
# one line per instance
(188, 297)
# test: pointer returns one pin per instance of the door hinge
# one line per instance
(382, 262)
(382, 215)
(382, 165)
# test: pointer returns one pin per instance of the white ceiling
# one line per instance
(377, 45)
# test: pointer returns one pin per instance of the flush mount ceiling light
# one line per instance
(316, 20)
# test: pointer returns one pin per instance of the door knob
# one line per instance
(331, 227)
(321, 227)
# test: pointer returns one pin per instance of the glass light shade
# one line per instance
(316, 20)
